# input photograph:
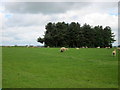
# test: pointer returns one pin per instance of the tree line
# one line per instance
(74, 35)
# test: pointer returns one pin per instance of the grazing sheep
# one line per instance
(27, 46)
(77, 48)
(98, 47)
(107, 47)
(114, 53)
(48, 46)
(66, 49)
(118, 49)
(63, 49)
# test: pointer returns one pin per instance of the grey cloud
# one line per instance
(32, 14)
(43, 7)
(54, 7)
(25, 20)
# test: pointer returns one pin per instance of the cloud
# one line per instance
(33, 13)
(42, 7)
(54, 7)
(1, 22)
(22, 35)
(60, 0)
(25, 22)
(105, 20)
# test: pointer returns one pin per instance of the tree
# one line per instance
(41, 40)
(73, 35)
(108, 37)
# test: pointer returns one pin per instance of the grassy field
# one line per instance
(49, 68)
(0, 68)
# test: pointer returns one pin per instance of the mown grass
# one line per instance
(49, 68)
(0, 67)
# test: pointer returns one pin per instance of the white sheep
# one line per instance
(114, 52)
(107, 47)
(98, 47)
(66, 49)
(63, 49)
(118, 49)
(77, 48)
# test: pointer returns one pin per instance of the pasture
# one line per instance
(49, 68)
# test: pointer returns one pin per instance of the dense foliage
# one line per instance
(74, 35)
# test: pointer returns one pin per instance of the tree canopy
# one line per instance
(74, 35)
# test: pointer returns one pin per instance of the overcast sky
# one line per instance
(23, 22)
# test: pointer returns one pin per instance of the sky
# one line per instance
(22, 22)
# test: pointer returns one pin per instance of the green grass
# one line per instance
(49, 68)
(0, 67)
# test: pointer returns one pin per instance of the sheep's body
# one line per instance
(66, 48)
(119, 49)
(98, 47)
(107, 47)
(63, 49)
(114, 53)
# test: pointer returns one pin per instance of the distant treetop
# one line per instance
(74, 35)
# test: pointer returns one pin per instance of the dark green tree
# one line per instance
(41, 40)
(74, 35)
